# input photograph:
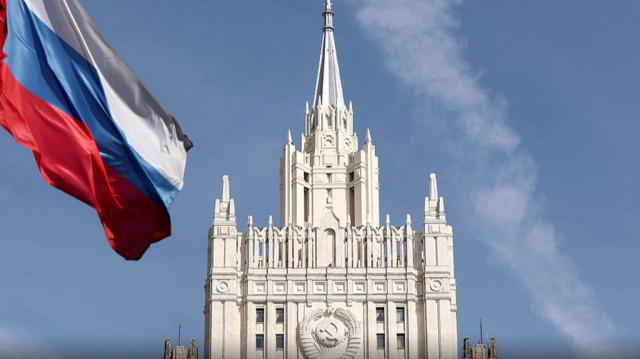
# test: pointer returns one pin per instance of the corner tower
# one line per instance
(330, 281)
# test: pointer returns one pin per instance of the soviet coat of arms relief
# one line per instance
(330, 334)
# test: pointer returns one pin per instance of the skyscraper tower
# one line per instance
(330, 281)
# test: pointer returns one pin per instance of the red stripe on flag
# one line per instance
(69, 160)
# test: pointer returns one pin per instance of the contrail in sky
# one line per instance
(493, 172)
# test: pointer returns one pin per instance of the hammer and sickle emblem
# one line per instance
(329, 333)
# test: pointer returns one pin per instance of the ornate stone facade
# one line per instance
(330, 281)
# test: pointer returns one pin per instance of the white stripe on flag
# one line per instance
(148, 128)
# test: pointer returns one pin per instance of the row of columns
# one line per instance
(363, 247)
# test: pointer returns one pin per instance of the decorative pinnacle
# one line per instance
(327, 5)
(433, 187)
(225, 188)
(368, 138)
(289, 137)
(328, 15)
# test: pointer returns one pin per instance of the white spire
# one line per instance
(328, 84)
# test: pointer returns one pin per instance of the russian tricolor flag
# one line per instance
(96, 132)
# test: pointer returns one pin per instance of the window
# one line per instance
(279, 341)
(306, 177)
(380, 341)
(279, 315)
(306, 205)
(400, 341)
(259, 315)
(351, 176)
(259, 341)
(380, 314)
(400, 315)
(352, 204)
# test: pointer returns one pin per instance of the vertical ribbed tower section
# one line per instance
(329, 176)
(223, 283)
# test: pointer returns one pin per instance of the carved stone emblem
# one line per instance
(222, 287)
(435, 285)
(330, 333)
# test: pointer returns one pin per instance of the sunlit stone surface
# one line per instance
(330, 281)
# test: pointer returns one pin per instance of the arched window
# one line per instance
(329, 242)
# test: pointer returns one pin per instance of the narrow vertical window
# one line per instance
(380, 341)
(380, 314)
(259, 315)
(279, 315)
(400, 341)
(259, 341)
(352, 204)
(306, 205)
(279, 341)
(400, 315)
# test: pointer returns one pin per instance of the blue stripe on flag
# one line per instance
(55, 72)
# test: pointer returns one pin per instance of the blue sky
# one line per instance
(528, 111)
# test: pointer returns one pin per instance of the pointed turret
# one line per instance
(434, 205)
(433, 187)
(328, 84)
(225, 208)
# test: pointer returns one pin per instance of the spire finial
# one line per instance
(328, 16)
(328, 84)
(289, 141)
(368, 138)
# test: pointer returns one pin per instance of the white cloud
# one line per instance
(494, 173)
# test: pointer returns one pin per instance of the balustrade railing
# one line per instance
(351, 247)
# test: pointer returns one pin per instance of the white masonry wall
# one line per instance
(366, 268)
(330, 281)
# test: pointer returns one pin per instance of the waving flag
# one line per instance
(95, 130)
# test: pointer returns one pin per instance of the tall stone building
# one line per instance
(479, 351)
(330, 281)
(180, 351)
